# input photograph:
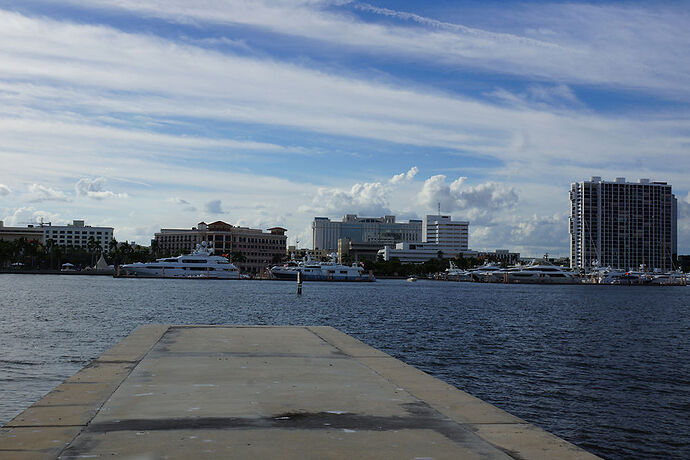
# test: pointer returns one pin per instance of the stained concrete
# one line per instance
(264, 392)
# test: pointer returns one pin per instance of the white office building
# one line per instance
(417, 253)
(441, 236)
(442, 230)
(77, 235)
(622, 224)
(376, 230)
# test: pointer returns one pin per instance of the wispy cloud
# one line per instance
(201, 118)
(4, 190)
(93, 188)
(601, 45)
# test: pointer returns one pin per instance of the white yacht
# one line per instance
(542, 272)
(484, 273)
(320, 271)
(675, 278)
(455, 273)
(201, 263)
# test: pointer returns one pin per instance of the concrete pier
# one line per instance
(190, 392)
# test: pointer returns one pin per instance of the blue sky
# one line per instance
(144, 115)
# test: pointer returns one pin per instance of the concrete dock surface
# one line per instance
(244, 392)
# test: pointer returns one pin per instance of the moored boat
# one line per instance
(320, 271)
(201, 263)
(541, 272)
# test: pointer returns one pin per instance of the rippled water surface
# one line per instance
(605, 367)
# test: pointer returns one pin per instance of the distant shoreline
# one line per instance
(57, 272)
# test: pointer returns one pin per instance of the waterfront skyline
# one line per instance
(154, 115)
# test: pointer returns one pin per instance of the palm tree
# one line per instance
(33, 248)
(92, 246)
(49, 249)
(238, 257)
(5, 252)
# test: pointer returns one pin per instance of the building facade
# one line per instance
(252, 250)
(446, 232)
(376, 230)
(417, 253)
(622, 224)
(78, 235)
(14, 233)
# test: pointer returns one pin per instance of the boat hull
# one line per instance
(176, 273)
(291, 275)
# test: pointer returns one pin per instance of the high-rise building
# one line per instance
(622, 224)
(254, 249)
(379, 230)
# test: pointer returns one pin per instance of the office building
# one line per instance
(441, 236)
(622, 224)
(254, 249)
(448, 233)
(376, 230)
(78, 235)
(417, 253)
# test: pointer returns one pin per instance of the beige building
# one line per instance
(315, 254)
(15, 233)
(254, 250)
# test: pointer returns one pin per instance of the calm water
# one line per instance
(605, 367)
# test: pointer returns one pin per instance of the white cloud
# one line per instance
(456, 196)
(365, 198)
(605, 45)
(4, 190)
(39, 192)
(22, 216)
(530, 235)
(214, 207)
(370, 199)
(178, 80)
(93, 188)
(405, 177)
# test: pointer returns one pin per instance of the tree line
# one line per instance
(24, 253)
(438, 264)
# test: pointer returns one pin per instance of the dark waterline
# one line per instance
(604, 367)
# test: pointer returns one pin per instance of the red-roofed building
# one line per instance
(253, 250)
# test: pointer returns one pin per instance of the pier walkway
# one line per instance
(225, 392)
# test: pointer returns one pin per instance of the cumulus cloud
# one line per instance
(531, 236)
(25, 215)
(4, 190)
(405, 177)
(214, 207)
(93, 188)
(456, 196)
(366, 199)
(39, 192)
